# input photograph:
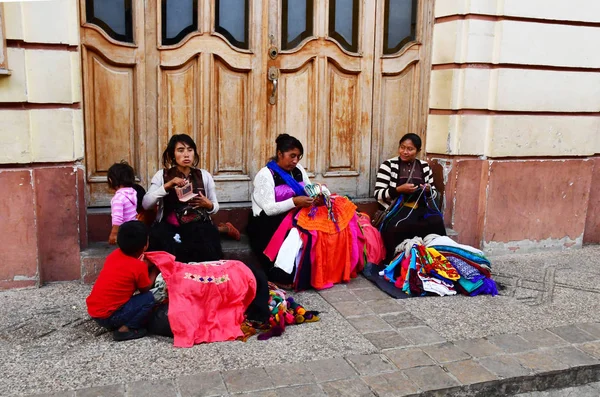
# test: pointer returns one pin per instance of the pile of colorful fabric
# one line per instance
(324, 244)
(284, 311)
(438, 265)
(205, 302)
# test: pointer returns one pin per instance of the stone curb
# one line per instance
(570, 377)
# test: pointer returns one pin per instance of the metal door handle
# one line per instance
(273, 97)
(273, 76)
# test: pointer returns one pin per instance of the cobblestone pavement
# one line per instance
(542, 332)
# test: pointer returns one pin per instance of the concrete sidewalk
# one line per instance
(542, 332)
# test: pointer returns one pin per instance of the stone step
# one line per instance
(99, 222)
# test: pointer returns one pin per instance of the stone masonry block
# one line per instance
(14, 136)
(13, 88)
(13, 20)
(50, 76)
(53, 134)
(54, 21)
(76, 88)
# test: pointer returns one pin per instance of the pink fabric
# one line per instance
(354, 253)
(207, 300)
(172, 219)
(374, 242)
(123, 206)
(277, 240)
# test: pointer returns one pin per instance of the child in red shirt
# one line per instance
(111, 302)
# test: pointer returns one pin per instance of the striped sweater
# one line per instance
(385, 187)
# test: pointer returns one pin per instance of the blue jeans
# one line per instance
(132, 314)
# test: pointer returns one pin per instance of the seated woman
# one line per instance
(407, 183)
(325, 247)
(183, 228)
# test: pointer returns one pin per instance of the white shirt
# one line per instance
(263, 195)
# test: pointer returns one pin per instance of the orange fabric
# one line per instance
(343, 210)
(332, 258)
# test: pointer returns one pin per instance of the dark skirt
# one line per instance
(419, 223)
(190, 242)
(260, 231)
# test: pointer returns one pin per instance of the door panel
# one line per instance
(113, 86)
(332, 90)
(298, 113)
(179, 103)
(212, 87)
(401, 75)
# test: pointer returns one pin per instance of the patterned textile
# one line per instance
(464, 269)
(343, 209)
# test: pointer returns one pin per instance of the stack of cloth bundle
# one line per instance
(438, 265)
(284, 311)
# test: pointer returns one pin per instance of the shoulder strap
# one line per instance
(198, 180)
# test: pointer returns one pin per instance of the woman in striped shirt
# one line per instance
(411, 181)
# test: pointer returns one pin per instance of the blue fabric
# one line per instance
(479, 259)
(389, 270)
(463, 268)
(392, 212)
(371, 272)
(133, 314)
(413, 266)
(288, 179)
(469, 285)
(488, 288)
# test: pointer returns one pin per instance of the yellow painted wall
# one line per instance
(42, 74)
(517, 86)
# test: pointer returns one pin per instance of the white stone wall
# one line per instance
(45, 78)
(514, 78)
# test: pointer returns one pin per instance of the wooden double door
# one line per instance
(346, 77)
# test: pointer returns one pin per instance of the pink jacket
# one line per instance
(207, 300)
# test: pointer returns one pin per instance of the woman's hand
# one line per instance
(303, 201)
(175, 182)
(201, 201)
(407, 188)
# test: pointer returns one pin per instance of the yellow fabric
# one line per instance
(414, 204)
(442, 266)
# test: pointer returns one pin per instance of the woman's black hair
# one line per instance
(120, 174)
(414, 138)
(168, 156)
(132, 237)
(285, 143)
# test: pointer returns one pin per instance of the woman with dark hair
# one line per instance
(410, 181)
(183, 226)
(273, 197)
(186, 197)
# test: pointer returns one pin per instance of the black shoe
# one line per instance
(129, 335)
